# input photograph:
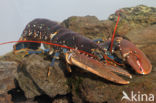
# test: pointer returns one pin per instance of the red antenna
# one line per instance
(114, 31)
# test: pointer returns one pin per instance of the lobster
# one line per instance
(82, 51)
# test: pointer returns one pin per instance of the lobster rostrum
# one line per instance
(93, 58)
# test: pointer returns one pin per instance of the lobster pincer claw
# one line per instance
(134, 56)
(96, 67)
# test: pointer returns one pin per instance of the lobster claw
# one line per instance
(96, 67)
(135, 57)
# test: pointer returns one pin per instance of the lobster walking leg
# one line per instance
(56, 55)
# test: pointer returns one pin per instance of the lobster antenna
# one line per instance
(112, 40)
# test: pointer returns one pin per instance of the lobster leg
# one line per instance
(56, 55)
(96, 67)
(38, 51)
(27, 51)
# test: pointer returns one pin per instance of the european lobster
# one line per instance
(83, 52)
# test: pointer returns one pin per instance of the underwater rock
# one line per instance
(97, 90)
(134, 18)
(89, 26)
(34, 80)
(83, 86)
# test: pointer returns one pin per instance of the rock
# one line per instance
(33, 79)
(89, 26)
(145, 40)
(97, 90)
(7, 76)
(134, 18)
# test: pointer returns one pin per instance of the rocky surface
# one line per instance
(97, 91)
(90, 26)
(31, 72)
(7, 75)
(34, 80)
(76, 87)
(134, 18)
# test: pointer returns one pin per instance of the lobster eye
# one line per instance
(20, 46)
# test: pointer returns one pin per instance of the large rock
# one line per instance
(89, 26)
(92, 89)
(34, 81)
(7, 75)
(83, 86)
(134, 18)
